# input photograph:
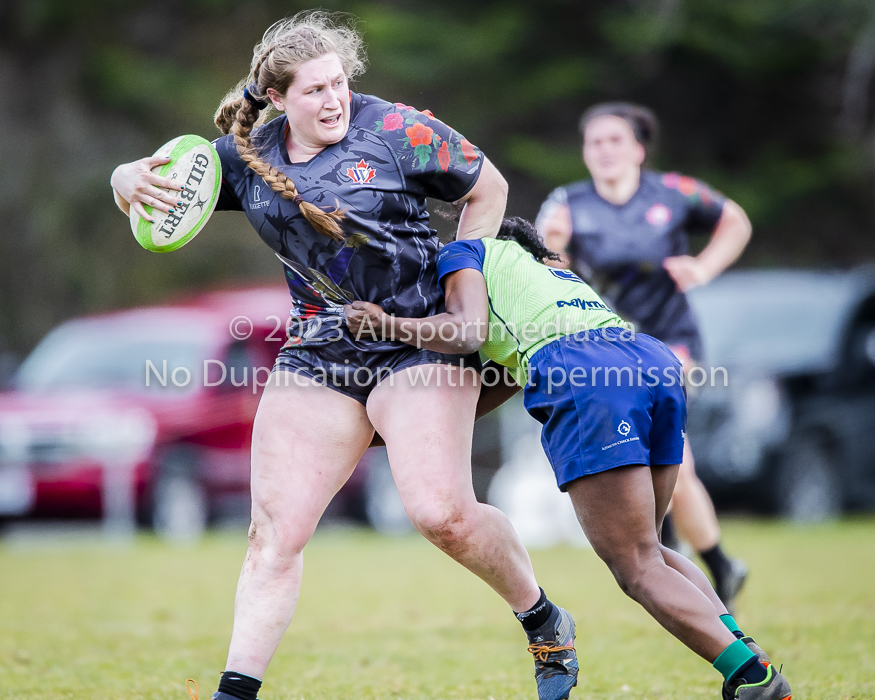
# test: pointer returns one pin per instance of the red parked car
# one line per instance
(167, 393)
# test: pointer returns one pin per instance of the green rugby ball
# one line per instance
(195, 164)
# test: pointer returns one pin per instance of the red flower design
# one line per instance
(393, 121)
(419, 134)
(401, 105)
(687, 186)
(468, 151)
(444, 156)
(671, 180)
(427, 113)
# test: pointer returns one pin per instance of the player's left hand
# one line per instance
(365, 319)
(686, 271)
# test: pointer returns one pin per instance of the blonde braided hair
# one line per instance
(285, 46)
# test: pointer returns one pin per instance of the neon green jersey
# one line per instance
(530, 304)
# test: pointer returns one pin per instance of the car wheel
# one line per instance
(808, 481)
(180, 509)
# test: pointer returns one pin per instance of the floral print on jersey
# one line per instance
(419, 135)
(443, 156)
(468, 152)
(392, 122)
(427, 145)
(691, 188)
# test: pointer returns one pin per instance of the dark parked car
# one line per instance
(793, 431)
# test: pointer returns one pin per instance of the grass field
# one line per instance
(394, 618)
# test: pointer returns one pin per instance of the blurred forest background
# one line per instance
(770, 101)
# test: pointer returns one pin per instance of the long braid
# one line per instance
(287, 44)
(519, 230)
(325, 222)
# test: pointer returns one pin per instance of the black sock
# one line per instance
(239, 685)
(717, 561)
(752, 672)
(537, 615)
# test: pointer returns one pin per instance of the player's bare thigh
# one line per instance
(427, 421)
(618, 511)
(306, 441)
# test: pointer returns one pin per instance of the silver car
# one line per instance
(783, 417)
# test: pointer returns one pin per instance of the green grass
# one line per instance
(394, 618)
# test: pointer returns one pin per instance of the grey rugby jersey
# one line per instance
(619, 249)
(392, 158)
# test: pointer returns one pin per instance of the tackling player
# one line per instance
(627, 232)
(337, 187)
(613, 410)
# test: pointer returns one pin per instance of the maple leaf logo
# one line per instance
(362, 173)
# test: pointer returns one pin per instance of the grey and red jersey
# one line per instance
(619, 249)
(392, 158)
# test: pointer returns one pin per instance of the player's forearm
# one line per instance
(479, 220)
(728, 241)
(445, 332)
(557, 241)
(555, 228)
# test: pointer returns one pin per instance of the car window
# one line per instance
(123, 356)
(235, 370)
(772, 321)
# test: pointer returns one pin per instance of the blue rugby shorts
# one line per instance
(607, 398)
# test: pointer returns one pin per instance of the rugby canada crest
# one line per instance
(362, 173)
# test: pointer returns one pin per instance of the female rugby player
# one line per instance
(337, 187)
(613, 411)
(627, 232)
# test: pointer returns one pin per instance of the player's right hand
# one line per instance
(138, 185)
(364, 318)
(686, 271)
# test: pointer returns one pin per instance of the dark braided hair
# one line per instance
(523, 232)
(513, 228)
